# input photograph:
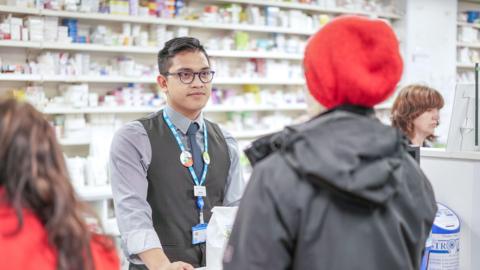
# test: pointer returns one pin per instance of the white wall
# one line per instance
(430, 50)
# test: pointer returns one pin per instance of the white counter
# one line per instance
(440, 153)
(456, 181)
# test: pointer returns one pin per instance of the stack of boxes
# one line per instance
(119, 7)
(158, 34)
(50, 29)
(35, 25)
(12, 29)
(71, 25)
(35, 28)
(62, 35)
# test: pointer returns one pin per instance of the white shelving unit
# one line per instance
(466, 67)
(309, 7)
(153, 20)
(145, 109)
(94, 193)
(74, 142)
(253, 134)
(20, 78)
(140, 50)
(146, 80)
(474, 25)
(19, 44)
(474, 45)
(239, 135)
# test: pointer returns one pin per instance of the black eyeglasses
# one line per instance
(187, 77)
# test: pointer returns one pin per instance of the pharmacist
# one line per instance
(170, 168)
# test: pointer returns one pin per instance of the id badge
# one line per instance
(199, 191)
(199, 233)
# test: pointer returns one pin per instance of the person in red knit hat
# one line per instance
(41, 222)
(339, 191)
(353, 61)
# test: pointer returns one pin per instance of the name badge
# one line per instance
(199, 191)
(199, 234)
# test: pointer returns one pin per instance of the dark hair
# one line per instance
(175, 46)
(411, 102)
(34, 176)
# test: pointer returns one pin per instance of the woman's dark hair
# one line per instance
(34, 176)
(175, 46)
(411, 102)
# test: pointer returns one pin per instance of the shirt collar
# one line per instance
(180, 121)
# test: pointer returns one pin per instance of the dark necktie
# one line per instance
(195, 149)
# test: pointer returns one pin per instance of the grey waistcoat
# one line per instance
(170, 189)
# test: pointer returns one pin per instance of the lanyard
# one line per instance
(182, 149)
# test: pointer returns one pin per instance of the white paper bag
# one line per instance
(218, 232)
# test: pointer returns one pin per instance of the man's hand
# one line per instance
(155, 259)
(177, 266)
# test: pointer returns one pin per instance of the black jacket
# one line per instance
(341, 192)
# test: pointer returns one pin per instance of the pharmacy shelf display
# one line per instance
(310, 7)
(141, 50)
(246, 121)
(120, 79)
(468, 43)
(151, 20)
(146, 110)
(239, 135)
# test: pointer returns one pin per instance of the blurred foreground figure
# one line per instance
(41, 222)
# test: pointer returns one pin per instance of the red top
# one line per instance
(29, 248)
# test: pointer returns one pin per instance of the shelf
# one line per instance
(99, 110)
(154, 20)
(141, 50)
(99, 79)
(236, 108)
(144, 79)
(147, 109)
(465, 66)
(443, 154)
(238, 135)
(20, 77)
(253, 133)
(261, 81)
(74, 79)
(468, 24)
(307, 7)
(20, 44)
(175, 22)
(475, 45)
(98, 48)
(255, 54)
(19, 10)
(74, 142)
(99, 16)
(94, 193)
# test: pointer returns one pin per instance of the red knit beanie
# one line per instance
(353, 60)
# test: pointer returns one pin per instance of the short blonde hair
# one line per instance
(411, 102)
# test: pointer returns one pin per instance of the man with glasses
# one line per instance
(170, 168)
